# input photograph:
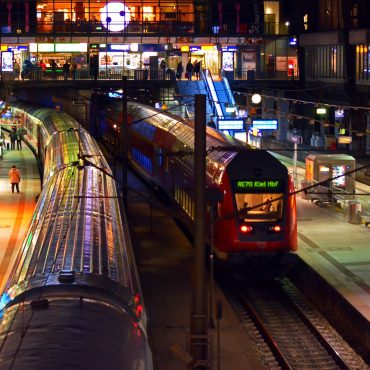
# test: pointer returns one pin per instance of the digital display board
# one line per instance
(230, 124)
(265, 124)
(261, 185)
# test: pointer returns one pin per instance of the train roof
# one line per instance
(54, 338)
(78, 224)
(148, 120)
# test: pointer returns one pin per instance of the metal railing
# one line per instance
(211, 92)
(86, 74)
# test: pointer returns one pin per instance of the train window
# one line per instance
(260, 207)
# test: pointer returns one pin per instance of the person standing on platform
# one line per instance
(43, 68)
(162, 66)
(74, 71)
(15, 178)
(66, 67)
(13, 138)
(179, 70)
(189, 70)
(54, 67)
(16, 69)
(2, 141)
(197, 69)
(19, 141)
(211, 123)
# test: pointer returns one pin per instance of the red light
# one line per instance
(275, 228)
(246, 229)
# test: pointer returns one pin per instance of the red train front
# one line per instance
(257, 216)
(257, 192)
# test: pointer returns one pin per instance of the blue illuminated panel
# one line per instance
(265, 124)
(230, 124)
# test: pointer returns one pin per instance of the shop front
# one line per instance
(207, 55)
(60, 53)
(12, 57)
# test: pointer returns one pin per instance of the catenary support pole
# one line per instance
(124, 140)
(199, 324)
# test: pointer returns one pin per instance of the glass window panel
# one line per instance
(259, 212)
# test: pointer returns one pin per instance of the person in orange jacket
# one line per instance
(15, 178)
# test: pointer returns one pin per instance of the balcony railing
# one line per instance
(86, 74)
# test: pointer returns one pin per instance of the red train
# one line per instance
(257, 216)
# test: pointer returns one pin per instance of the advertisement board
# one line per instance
(7, 61)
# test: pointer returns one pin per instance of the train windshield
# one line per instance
(259, 202)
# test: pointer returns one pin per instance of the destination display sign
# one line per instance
(261, 185)
(265, 124)
(230, 124)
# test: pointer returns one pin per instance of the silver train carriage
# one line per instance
(73, 299)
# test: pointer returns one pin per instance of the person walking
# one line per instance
(15, 178)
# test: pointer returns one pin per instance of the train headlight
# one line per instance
(275, 228)
(246, 229)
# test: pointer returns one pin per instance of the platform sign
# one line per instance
(265, 124)
(296, 139)
(230, 124)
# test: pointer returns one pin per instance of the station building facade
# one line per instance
(246, 39)
(334, 42)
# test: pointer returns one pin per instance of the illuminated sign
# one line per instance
(320, 110)
(119, 47)
(230, 124)
(255, 132)
(229, 48)
(43, 47)
(7, 61)
(343, 139)
(115, 16)
(293, 41)
(339, 113)
(18, 47)
(262, 185)
(81, 47)
(194, 48)
(265, 124)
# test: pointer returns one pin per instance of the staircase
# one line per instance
(223, 97)
(187, 90)
(219, 96)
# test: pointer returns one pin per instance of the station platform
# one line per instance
(16, 209)
(335, 249)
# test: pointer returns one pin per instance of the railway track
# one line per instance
(287, 331)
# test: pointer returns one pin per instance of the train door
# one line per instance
(158, 165)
